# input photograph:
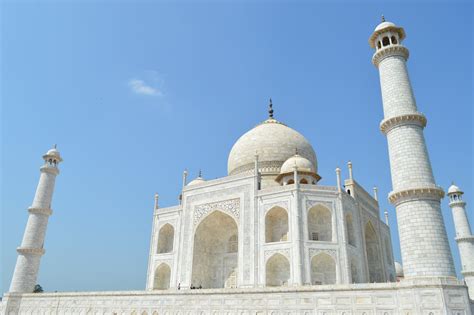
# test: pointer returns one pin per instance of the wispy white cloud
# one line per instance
(140, 87)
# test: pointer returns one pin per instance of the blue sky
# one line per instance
(133, 93)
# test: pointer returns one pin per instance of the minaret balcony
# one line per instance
(432, 193)
(389, 51)
(30, 251)
(409, 119)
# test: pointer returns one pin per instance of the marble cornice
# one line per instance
(401, 196)
(392, 50)
(416, 118)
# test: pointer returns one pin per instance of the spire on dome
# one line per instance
(270, 109)
(383, 18)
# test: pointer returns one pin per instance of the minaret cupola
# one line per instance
(386, 34)
(52, 158)
(455, 194)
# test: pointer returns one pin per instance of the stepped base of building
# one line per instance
(408, 297)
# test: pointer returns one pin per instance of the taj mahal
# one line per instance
(267, 238)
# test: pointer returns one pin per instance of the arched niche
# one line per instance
(373, 253)
(276, 225)
(162, 277)
(277, 271)
(355, 274)
(388, 251)
(323, 269)
(320, 224)
(350, 230)
(165, 239)
(215, 252)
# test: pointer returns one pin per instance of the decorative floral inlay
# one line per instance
(315, 251)
(231, 206)
(311, 203)
(281, 204)
(285, 252)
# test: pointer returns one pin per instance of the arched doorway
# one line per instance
(276, 225)
(162, 277)
(277, 271)
(320, 224)
(165, 239)
(373, 254)
(323, 269)
(215, 252)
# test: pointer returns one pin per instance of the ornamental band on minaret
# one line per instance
(423, 239)
(31, 249)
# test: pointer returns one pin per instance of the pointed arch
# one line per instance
(214, 266)
(323, 269)
(276, 225)
(350, 230)
(277, 271)
(372, 249)
(165, 239)
(320, 223)
(162, 277)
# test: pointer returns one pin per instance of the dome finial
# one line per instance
(383, 18)
(270, 109)
(296, 150)
(55, 146)
(200, 173)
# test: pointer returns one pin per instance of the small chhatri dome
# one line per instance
(399, 269)
(197, 180)
(301, 164)
(274, 143)
(453, 189)
(53, 153)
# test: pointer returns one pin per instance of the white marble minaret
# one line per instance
(31, 249)
(423, 240)
(464, 236)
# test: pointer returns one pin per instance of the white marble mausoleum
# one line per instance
(267, 238)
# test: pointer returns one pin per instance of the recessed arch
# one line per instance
(276, 225)
(320, 223)
(373, 253)
(165, 239)
(215, 252)
(350, 230)
(388, 252)
(354, 271)
(277, 271)
(162, 277)
(323, 269)
(385, 41)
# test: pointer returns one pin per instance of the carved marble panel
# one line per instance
(231, 207)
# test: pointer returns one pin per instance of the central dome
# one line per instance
(274, 143)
